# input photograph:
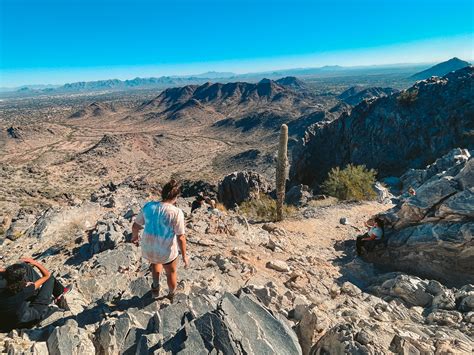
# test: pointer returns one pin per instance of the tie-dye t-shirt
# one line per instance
(161, 222)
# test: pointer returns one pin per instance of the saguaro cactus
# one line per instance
(281, 170)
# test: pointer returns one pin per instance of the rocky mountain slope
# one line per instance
(214, 102)
(355, 95)
(391, 134)
(288, 288)
(442, 69)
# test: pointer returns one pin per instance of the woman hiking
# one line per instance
(163, 233)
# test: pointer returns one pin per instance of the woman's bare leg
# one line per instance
(171, 275)
(156, 269)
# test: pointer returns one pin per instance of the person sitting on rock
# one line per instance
(197, 203)
(26, 298)
(213, 207)
(163, 233)
(374, 234)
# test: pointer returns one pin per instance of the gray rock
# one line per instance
(69, 339)
(410, 289)
(442, 317)
(242, 186)
(466, 175)
(298, 195)
(467, 304)
(147, 343)
(266, 294)
(278, 265)
(339, 340)
(364, 337)
(240, 325)
(444, 300)
(173, 318)
(20, 226)
(458, 206)
(274, 229)
(350, 289)
(344, 221)
(40, 348)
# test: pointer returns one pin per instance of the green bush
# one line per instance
(408, 97)
(354, 182)
(263, 209)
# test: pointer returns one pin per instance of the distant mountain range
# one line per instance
(441, 69)
(173, 81)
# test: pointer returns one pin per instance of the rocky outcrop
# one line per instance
(242, 186)
(355, 95)
(298, 195)
(194, 188)
(431, 234)
(392, 134)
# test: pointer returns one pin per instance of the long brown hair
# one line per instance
(171, 190)
(16, 278)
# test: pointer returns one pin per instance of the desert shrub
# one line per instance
(354, 182)
(264, 209)
(408, 97)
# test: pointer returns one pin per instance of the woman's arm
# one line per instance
(46, 274)
(182, 248)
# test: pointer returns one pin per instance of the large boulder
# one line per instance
(431, 233)
(69, 339)
(238, 325)
(298, 195)
(449, 164)
(392, 134)
(242, 186)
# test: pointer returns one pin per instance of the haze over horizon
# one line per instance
(57, 42)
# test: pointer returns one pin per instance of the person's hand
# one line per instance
(136, 241)
(186, 261)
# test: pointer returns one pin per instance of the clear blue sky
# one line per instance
(56, 41)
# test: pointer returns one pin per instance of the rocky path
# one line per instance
(322, 297)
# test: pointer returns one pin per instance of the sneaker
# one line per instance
(155, 291)
(60, 301)
(171, 296)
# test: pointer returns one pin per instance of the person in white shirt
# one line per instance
(374, 233)
(163, 234)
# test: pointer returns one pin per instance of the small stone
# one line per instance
(344, 221)
(363, 337)
(350, 289)
(335, 291)
(278, 265)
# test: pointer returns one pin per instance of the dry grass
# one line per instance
(329, 201)
(264, 209)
